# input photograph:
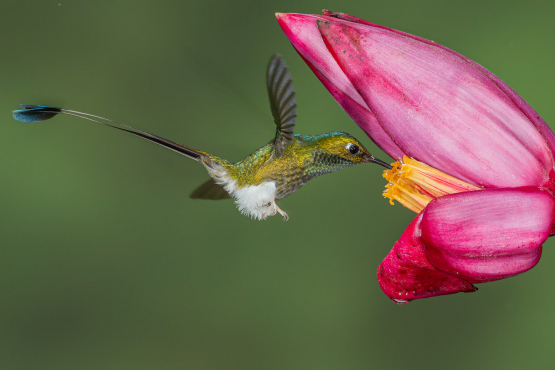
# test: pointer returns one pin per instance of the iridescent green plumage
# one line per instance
(304, 159)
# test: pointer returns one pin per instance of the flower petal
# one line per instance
(302, 31)
(530, 112)
(304, 35)
(438, 108)
(406, 274)
(487, 235)
(435, 105)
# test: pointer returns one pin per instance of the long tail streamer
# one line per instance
(39, 113)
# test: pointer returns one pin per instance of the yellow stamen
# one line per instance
(415, 184)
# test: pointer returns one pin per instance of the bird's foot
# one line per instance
(272, 210)
(281, 212)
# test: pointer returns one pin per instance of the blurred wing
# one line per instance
(210, 190)
(282, 102)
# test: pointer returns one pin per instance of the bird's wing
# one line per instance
(210, 190)
(282, 102)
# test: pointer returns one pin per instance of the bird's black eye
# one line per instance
(352, 148)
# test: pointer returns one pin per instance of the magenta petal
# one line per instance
(487, 235)
(530, 113)
(432, 103)
(438, 108)
(304, 35)
(302, 31)
(406, 274)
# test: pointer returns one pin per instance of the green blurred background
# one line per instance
(105, 263)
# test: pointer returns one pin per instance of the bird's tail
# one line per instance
(39, 113)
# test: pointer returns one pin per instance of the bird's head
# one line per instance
(345, 147)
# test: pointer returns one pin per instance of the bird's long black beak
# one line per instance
(372, 159)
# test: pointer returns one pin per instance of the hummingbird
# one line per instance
(271, 173)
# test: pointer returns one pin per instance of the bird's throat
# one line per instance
(414, 184)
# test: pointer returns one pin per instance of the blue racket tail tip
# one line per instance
(35, 113)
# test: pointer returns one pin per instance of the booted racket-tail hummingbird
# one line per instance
(272, 172)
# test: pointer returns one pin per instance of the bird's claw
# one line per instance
(273, 209)
(281, 212)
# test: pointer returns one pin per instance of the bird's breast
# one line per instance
(287, 172)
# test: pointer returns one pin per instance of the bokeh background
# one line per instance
(105, 263)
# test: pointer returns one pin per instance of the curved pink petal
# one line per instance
(530, 112)
(487, 235)
(406, 274)
(302, 31)
(432, 103)
(439, 109)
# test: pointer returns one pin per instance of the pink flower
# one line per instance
(474, 160)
